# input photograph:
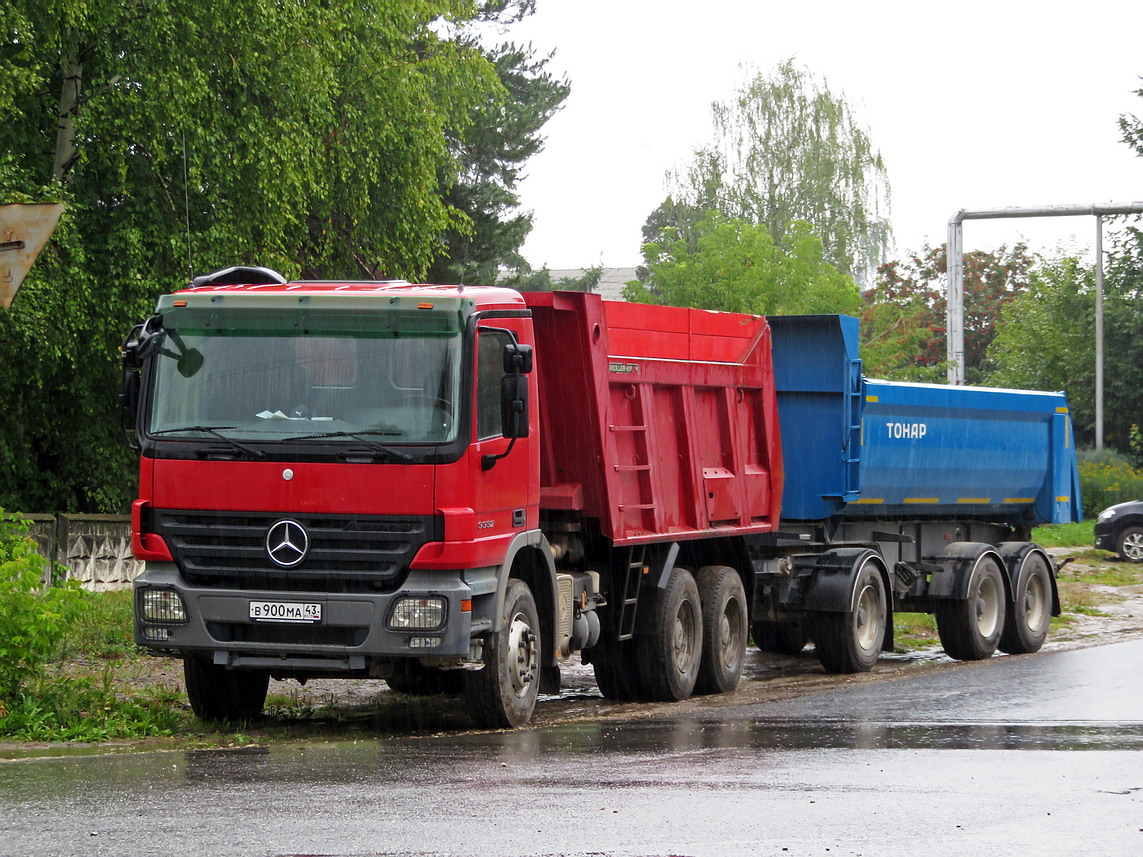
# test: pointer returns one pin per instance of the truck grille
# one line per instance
(346, 553)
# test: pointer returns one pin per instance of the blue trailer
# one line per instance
(907, 497)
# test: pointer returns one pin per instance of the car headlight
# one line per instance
(162, 607)
(1106, 513)
(418, 614)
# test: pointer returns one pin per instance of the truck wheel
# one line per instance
(851, 642)
(724, 629)
(670, 639)
(503, 693)
(1129, 544)
(781, 638)
(218, 693)
(415, 679)
(970, 628)
(1030, 613)
(617, 670)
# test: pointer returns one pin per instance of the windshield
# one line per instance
(265, 377)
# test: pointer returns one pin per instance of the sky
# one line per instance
(974, 105)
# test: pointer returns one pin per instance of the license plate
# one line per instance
(285, 611)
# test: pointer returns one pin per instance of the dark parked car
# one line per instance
(1120, 529)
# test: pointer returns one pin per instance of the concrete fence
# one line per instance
(95, 549)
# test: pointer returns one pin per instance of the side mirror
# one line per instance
(514, 405)
(190, 361)
(513, 398)
(517, 359)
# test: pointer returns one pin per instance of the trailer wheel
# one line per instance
(503, 694)
(415, 679)
(670, 639)
(218, 693)
(970, 628)
(724, 629)
(781, 638)
(1030, 612)
(850, 642)
(1129, 544)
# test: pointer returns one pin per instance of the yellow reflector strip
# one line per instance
(1061, 410)
(1063, 499)
(921, 500)
(871, 398)
(974, 500)
(1019, 499)
(868, 501)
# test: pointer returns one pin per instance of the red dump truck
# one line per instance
(457, 488)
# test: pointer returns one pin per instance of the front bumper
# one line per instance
(1105, 535)
(354, 635)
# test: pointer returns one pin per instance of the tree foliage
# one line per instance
(904, 324)
(788, 149)
(1046, 340)
(309, 137)
(491, 152)
(732, 265)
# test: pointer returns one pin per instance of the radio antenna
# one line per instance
(186, 210)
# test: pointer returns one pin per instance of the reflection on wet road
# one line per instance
(1036, 752)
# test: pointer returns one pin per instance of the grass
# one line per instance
(913, 631)
(1065, 535)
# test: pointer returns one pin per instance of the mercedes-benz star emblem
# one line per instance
(287, 543)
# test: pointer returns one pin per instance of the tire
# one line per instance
(724, 629)
(851, 642)
(670, 639)
(502, 695)
(781, 638)
(1030, 611)
(415, 679)
(1129, 544)
(217, 693)
(970, 629)
(617, 670)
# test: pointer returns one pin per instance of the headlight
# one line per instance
(417, 614)
(1106, 513)
(162, 607)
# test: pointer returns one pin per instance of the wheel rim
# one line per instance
(987, 607)
(1035, 602)
(1133, 546)
(683, 637)
(867, 629)
(521, 654)
(731, 627)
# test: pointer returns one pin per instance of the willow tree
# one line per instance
(786, 148)
(309, 137)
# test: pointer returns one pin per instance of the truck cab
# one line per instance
(332, 476)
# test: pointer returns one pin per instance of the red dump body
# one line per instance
(622, 385)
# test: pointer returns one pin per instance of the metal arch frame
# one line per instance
(954, 319)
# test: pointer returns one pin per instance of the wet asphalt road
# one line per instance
(1037, 754)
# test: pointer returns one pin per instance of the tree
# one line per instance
(491, 152)
(1045, 341)
(787, 149)
(737, 266)
(1132, 128)
(309, 137)
(903, 322)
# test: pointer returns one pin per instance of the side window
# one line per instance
(489, 371)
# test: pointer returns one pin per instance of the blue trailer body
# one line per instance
(861, 449)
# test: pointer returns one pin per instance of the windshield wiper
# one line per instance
(359, 436)
(216, 431)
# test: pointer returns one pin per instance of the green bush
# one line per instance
(34, 619)
(1106, 478)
